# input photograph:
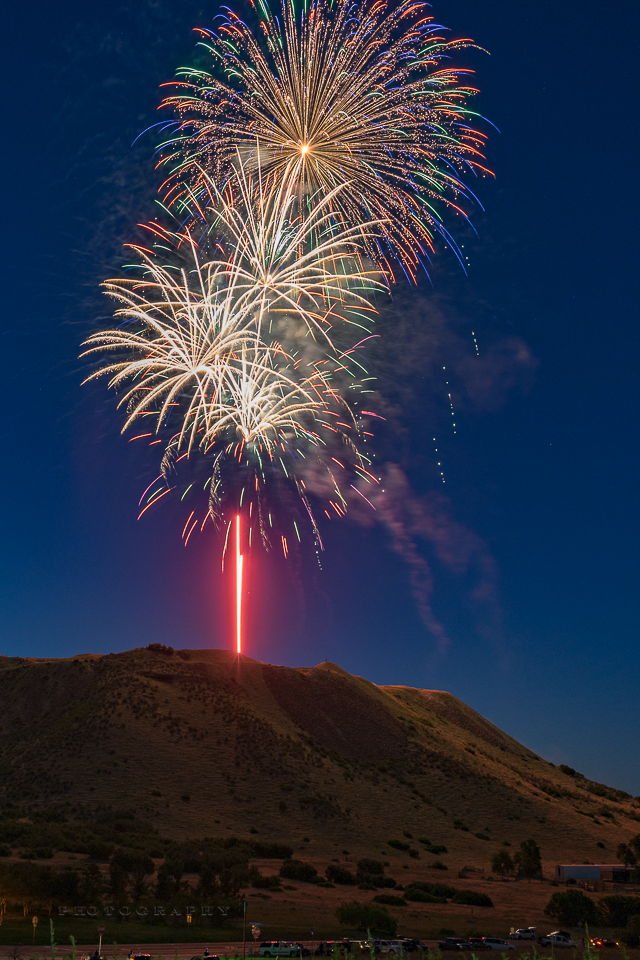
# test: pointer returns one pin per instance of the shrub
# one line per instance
(271, 851)
(398, 845)
(434, 848)
(160, 648)
(472, 899)
(364, 916)
(571, 908)
(442, 891)
(459, 825)
(371, 872)
(336, 874)
(5, 851)
(389, 899)
(438, 865)
(631, 936)
(297, 870)
(265, 883)
(481, 836)
(418, 896)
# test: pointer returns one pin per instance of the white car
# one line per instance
(388, 946)
(558, 939)
(279, 948)
(523, 933)
(495, 943)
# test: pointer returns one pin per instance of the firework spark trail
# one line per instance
(195, 350)
(202, 329)
(281, 261)
(364, 100)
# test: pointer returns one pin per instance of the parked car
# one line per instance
(388, 946)
(408, 945)
(495, 943)
(603, 942)
(477, 943)
(523, 933)
(559, 938)
(279, 948)
(454, 943)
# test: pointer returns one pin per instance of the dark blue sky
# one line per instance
(533, 542)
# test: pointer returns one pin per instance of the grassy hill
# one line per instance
(286, 753)
(148, 746)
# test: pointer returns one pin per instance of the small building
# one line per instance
(613, 872)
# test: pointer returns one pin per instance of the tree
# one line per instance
(169, 877)
(502, 863)
(571, 908)
(629, 853)
(631, 937)
(528, 860)
(91, 885)
(118, 881)
(615, 910)
(364, 916)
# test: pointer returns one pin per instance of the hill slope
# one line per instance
(203, 743)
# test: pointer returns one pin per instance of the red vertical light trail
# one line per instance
(238, 587)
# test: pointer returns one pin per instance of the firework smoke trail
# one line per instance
(358, 96)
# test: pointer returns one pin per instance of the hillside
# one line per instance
(203, 743)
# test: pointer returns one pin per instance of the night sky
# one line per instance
(514, 584)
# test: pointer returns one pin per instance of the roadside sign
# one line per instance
(188, 918)
(101, 929)
(34, 921)
(255, 930)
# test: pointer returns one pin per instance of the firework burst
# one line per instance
(196, 352)
(354, 96)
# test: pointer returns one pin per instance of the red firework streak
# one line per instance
(238, 587)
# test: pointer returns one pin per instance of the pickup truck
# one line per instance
(557, 939)
(281, 948)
